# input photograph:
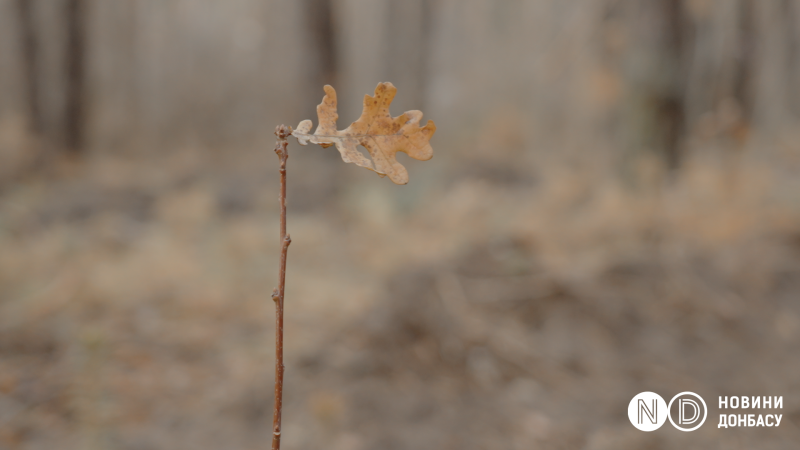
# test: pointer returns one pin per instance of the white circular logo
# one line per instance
(648, 411)
(690, 410)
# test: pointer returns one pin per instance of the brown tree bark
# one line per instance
(30, 65)
(282, 132)
(657, 69)
(745, 63)
(670, 109)
(321, 28)
(75, 107)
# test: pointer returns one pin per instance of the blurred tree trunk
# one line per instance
(30, 65)
(670, 108)
(657, 70)
(75, 113)
(320, 32)
(789, 11)
(743, 86)
(321, 28)
(408, 43)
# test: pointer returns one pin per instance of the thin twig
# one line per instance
(282, 132)
(348, 136)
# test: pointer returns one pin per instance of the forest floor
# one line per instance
(484, 308)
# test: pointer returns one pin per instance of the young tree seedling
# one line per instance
(383, 136)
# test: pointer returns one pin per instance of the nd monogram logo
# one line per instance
(647, 411)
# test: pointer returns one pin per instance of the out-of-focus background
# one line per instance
(613, 207)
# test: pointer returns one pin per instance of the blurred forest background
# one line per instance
(613, 207)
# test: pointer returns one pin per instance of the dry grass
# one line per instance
(486, 308)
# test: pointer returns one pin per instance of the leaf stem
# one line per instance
(282, 132)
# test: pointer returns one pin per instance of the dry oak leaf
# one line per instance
(381, 134)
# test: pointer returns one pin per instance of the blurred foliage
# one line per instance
(613, 207)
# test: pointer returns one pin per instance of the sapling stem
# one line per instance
(282, 132)
(386, 135)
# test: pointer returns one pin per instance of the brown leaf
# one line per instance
(381, 134)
